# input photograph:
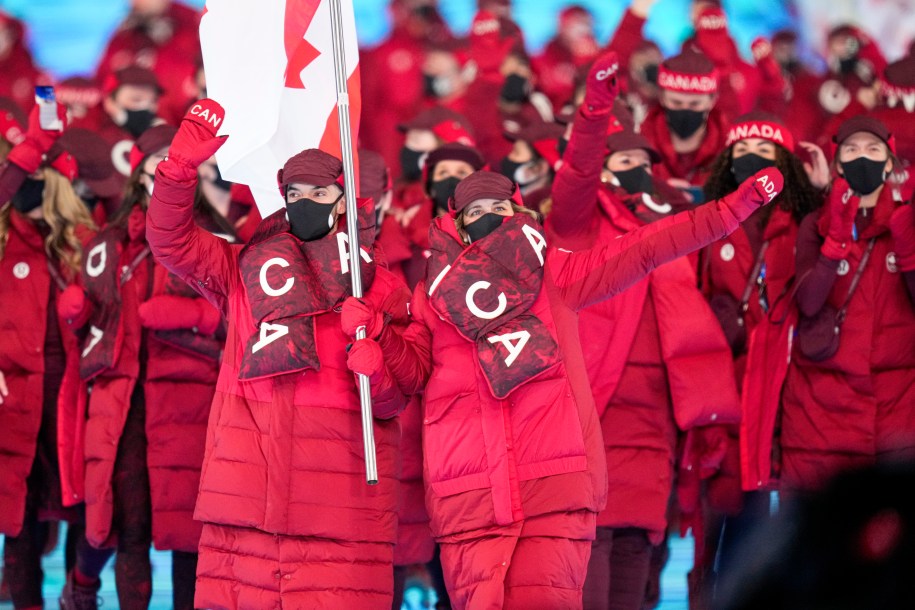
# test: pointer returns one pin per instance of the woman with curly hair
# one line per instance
(746, 276)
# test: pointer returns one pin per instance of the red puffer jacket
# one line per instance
(283, 453)
(693, 167)
(859, 405)
(414, 538)
(25, 288)
(659, 368)
(491, 462)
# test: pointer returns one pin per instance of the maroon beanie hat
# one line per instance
(151, 141)
(898, 84)
(455, 151)
(867, 124)
(374, 176)
(630, 140)
(759, 124)
(132, 75)
(542, 137)
(481, 185)
(688, 72)
(311, 166)
(81, 153)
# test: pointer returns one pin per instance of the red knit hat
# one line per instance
(758, 124)
(151, 141)
(867, 124)
(898, 84)
(481, 185)
(374, 175)
(447, 125)
(311, 166)
(688, 72)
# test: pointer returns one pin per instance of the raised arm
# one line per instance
(628, 35)
(27, 156)
(578, 180)
(206, 262)
(589, 276)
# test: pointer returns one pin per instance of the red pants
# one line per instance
(246, 568)
(516, 568)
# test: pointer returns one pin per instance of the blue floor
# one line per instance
(673, 583)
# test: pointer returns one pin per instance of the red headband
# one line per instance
(687, 83)
(766, 130)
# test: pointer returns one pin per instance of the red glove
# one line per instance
(602, 86)
(365, 358)
(762, 53)
(711, 446)
(902, 226)
(30, 153)
(842, 208)
(754, 193)
(713, 38)
(196, 139)
(169, 312)
(356, 313)
(487, 47)
(73, 306)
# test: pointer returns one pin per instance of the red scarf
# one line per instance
(486, 291)
(288, 282)
(691, 166)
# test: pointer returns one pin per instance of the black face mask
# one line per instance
(864, 175)
(483, 226)
(138, 121)
(746, 166)
(848, 66)
(684, 123)
(310, 220)
(29, 196)
(515, 89)
(561, 146)
(220, 182)
(651, 73)
(509, 168)
(442, 191)
(635, 180)
(410, 163)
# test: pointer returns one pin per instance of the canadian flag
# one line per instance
(270, 64)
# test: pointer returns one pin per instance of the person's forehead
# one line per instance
(686, 98)
(303, 186)
(483, 203)
(453, 165)
(638, 153)
(753, 142)
(861, 138)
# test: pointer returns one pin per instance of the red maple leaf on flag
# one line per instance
(299, 52)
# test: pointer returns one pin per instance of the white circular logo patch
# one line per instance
(727, 252)
(891, 263)
(21, 271)
(843, 268)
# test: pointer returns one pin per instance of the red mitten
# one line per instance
(365, 358)
(842, 208)
(602, 86)
(762, 53)
(73, 306)
(902, 226)
(356, 313)
(30, 153)
(487, 47)
(196, 139)
(209, 319)
(753, 193)
(713, 38)
(169, 312)
(712, 446)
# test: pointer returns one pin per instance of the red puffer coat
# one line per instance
(491, 462)
(25, 288)
(693, 167)
(283, 453)
(414, 538)
(859, 405)
(650, 378)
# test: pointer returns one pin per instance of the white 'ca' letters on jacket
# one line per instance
(520, 339)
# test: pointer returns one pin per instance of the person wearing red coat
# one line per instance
(282, 496)
(43, 228)
(747, 278)
(687, 129)
(650, 379)
(161, 36)
(514, 488)
(20, 75)
(852, 405)
(573, 47)
(896, 111)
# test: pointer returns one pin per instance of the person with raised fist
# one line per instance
(515, 468)
(288, 519)
(849, 396)
(659, 372)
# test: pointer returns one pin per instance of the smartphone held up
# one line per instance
(47, 109)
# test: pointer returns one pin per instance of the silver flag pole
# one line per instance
(352, 223)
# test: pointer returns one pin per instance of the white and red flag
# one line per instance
(270, 65)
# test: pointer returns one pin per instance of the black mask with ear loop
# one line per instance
(864, 175)
(29, 196)
(746, 166)
(483, 226)
(442, 191)
(309, 219)
(635, 180)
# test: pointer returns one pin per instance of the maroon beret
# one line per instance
(132, 75)
(151, 141)
(374, 175)
(630, 140)
(481, 185)
(311, 166)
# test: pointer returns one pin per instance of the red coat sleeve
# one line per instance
(627, 37)
(578, 180)
(408, 354)
(206, 262)
(815, 272)
(590, 276)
